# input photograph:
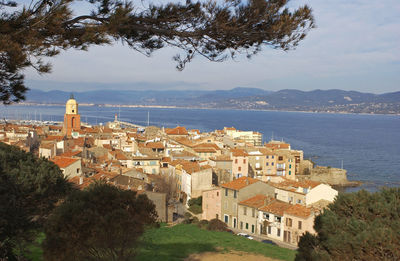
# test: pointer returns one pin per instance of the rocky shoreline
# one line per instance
(335, 177)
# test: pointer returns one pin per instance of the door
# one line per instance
(234, 222)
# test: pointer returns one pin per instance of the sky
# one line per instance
(355, 46)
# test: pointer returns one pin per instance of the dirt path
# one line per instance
(231, 256)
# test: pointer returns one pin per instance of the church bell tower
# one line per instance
(72, 120)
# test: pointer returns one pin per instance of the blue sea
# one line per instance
(368, 145)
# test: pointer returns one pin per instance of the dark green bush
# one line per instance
(216, 225)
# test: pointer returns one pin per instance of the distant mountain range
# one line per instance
(237, 98)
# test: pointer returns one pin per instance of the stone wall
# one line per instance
(331, 176)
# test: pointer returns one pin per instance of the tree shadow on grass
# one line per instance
(171, 251)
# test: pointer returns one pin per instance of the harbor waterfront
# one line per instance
(368, 146)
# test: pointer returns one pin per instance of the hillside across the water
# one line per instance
(238, 98)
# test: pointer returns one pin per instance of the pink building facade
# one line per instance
(211, 204)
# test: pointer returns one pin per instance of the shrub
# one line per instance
(216, 225)
(187, 215)
(195, 220)
(203, 224)
(195, 201)
(196, 209)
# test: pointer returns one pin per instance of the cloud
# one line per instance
(356, 45)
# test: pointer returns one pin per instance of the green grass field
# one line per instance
(177, 242)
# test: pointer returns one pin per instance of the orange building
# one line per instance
(72, 120)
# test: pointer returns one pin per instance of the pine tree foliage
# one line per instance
(102, 222)
(29, 189)
(213, 29)
(357, 226)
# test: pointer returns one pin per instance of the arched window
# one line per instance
(73, 122)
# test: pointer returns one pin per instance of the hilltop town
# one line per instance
(267, 190)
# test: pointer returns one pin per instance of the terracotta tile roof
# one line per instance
(221, 158)
(184, 141)
(256, 201)
(240, 183)
(190, 166)
(205, 150)
(229, 128)
(79, 142)
(118, 155)
(266, 151)
(166, 159)
(179, 130)
(277, 145)
(155, 145)
(195, 131)
(239, 153)
(53, 127)
(47, 146)
(298, 211)
(107, 146)
(276, 207)
(64, 162)
(207, 145)
(292, 185)
(53, 137)
(71, 153)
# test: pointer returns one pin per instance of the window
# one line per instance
(77, 170)
(245, 211)
(278, 219)
(300, 224)
(257, 157)
(272, 157)
(252, 228)
(239, 168)
(267, 157)
(299, 201)
(253, 212)
(236, 161)
(226, 192)
(266, 216)
(241, 225)
(247, 225)
(290, 172)
(272, 164)
(244, 161)
(267, 163)
(226, 219)
(217, 194)
(278, 232)
(234, 207)
(234, 194)
(288, 222)
(280, 158)
(269, 230)
(290, 166)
